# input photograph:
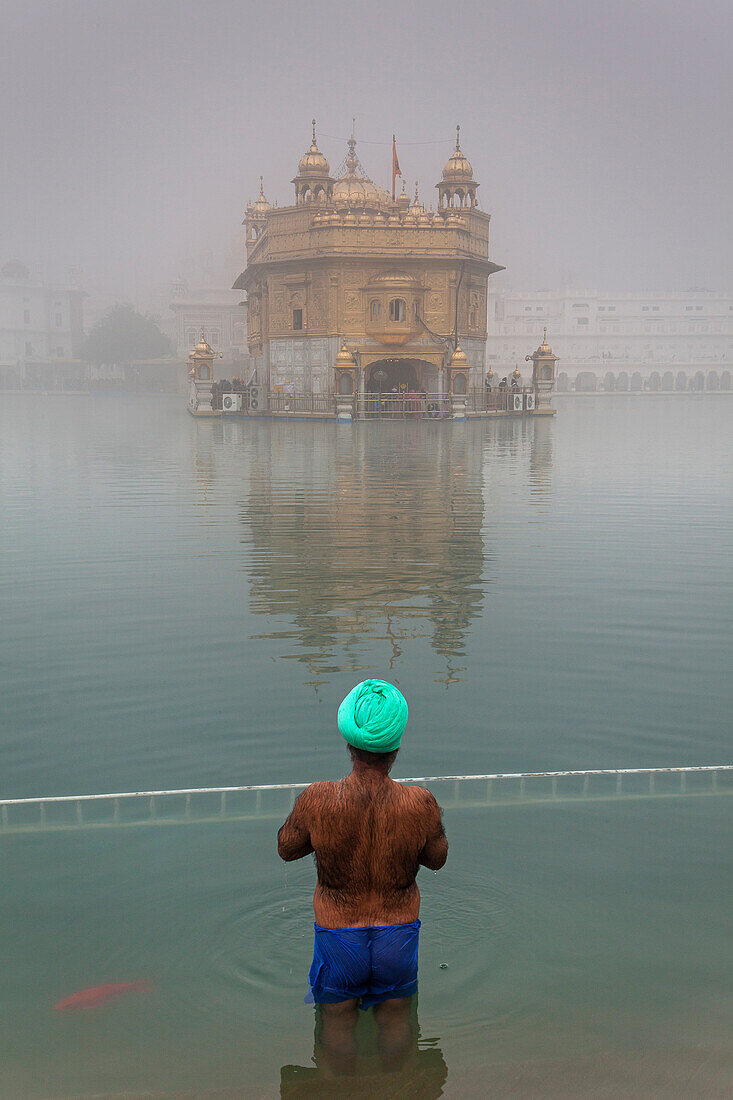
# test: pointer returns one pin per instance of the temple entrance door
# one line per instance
(389, 374)
(389, 386)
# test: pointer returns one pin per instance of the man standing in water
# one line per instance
(370, 836)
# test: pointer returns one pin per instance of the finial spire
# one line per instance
(314, 131)
(351, 161)
(203, 337)
(458, 137)
(416, 194)
(544, 337)
(262, 189)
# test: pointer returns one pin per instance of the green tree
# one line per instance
(124, 335)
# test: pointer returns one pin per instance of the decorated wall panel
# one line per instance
(300, 363)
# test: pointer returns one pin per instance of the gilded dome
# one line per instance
(202, 349)
(354, 190)
(544, 351)
(458, 167)
(458, 358)
(544, 348)
(262, 205)
(313, 163)
(344, 357)
(417, 207)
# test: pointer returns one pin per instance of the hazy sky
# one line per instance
(134, 131)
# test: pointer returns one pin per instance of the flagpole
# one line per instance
(396, 170)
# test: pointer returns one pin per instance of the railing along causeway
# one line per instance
(274, 800)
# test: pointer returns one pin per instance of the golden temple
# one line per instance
(349, 291)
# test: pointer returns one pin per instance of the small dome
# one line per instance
(202, 349)
(544, 348)
(313, 163)
(516, 373)
(262, 205)
(544, 351)
(458, 358)
(417, 207)
(458, 167)
(403, 199)
(344, 357)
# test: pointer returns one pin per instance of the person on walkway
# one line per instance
(370, 836)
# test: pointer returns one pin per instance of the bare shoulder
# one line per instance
(423, 801)
(315, 795)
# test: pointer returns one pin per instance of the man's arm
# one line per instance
(293, 838)
(435, 850)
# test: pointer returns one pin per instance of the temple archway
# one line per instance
(388, 374)
(585, 382)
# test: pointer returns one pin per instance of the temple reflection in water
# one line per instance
(366, 544)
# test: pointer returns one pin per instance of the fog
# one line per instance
(134, 132)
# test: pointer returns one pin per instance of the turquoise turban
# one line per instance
(373, 716)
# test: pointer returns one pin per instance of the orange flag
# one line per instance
(395, 165)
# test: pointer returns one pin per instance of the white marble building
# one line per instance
(605, 341)
(41, 331)
(221, 313)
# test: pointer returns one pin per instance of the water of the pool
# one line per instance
(185, 603)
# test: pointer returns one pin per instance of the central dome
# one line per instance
(356, 191)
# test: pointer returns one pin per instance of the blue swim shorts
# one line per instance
(374, 964)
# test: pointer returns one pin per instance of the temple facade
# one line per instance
(350, 291)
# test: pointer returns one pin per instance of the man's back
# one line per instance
(369, 835)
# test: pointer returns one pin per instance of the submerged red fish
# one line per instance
(90, 998)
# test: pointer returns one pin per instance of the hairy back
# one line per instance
(368, 840)
(369, 837)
